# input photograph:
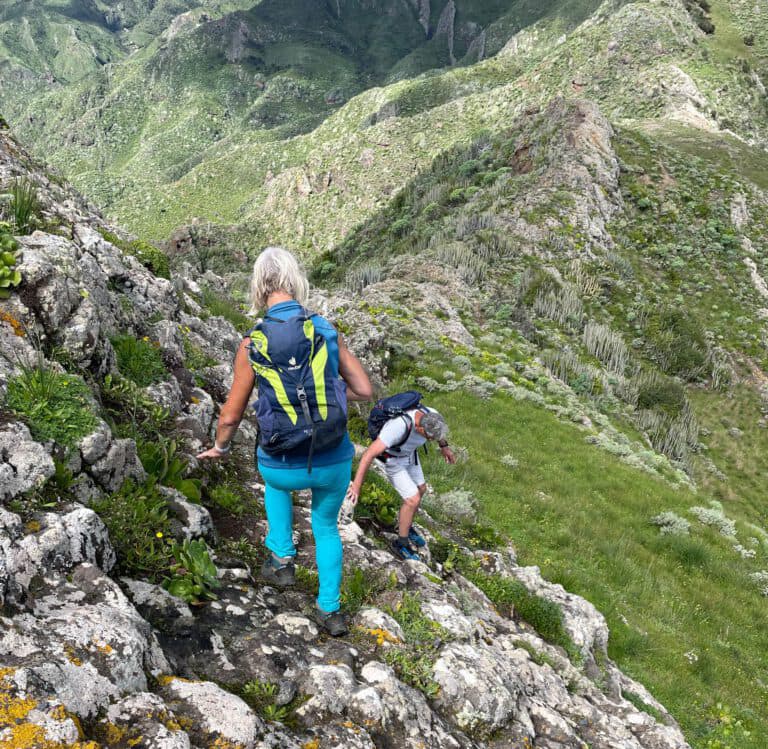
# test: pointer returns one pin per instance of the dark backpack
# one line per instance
(302, 403)
(390, 408)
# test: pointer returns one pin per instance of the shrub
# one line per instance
(468, 168)
(55, 406)
(24, 205)
(669, 523)
(365, 275)
(606, 345)
(400, 227)
(715, 517)
(459, 505)
(193, 574)
(137, 520)
(677, 344)
(139, 359)
(359, 588)
(9, 276)
(220, 306)
(659, 393)
(130, 411)
(161, 461)
(226, 499)
(379, 501)
(151, 257)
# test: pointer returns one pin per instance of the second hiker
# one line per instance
(400, 426)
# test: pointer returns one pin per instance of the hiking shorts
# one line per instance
(404, 477)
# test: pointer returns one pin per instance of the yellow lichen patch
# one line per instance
(185, 723)
(33, 526)
(13, 709)
(170, 722)
(222, 743)
(313, 744)
(165, 679)
(381, 636)
(134, 742)
(16, 325)
(105, 648)
(59, 713)
(111, 733)
(71, 654)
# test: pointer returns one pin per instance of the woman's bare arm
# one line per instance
(359, 387)
(237, 401)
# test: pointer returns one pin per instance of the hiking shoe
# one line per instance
(403, 551)
(277, 573)
(416, 538)
(333, 622)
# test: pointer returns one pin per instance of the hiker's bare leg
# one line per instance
(408, 512)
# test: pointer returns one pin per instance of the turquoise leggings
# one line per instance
(329, 485)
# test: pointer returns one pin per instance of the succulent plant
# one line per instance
(9, 256)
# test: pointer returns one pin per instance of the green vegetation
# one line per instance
(138, 521)
(221, 306)
(582, 515)
(414, 661)
(262, 696)
(55, 406)
(509, 596)
(151, 257)
(193, 574)
(24, 205)
(360, 587)
(10, 277)
(139, 359)
(130, 412)
(378, 500)
(161, 461)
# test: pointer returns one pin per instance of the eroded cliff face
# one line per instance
(90, 659)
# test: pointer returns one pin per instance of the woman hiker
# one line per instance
(305, 375)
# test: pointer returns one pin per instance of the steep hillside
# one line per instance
(271, 117)
(109, 379)
(616, 280)
(126, 113)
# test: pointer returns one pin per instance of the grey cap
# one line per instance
(434, 426)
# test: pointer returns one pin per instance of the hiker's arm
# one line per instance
(237, 401)
(359, 387)
(377, 448)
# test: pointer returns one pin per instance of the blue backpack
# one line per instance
(390, 408)
(302, 403)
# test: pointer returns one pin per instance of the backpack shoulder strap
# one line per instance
(408, 429)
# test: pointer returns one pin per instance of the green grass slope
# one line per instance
(611, 284)
(311, 189)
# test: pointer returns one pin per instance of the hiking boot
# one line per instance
(416, 538)
(403, 551)
(278, 573)
(333, 622)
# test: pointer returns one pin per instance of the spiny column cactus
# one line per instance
(9, 276)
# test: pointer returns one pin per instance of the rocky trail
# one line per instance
(90, 657)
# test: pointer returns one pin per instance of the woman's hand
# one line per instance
(353, 494)
(213, 454)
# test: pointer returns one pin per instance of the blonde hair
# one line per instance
(276, 269)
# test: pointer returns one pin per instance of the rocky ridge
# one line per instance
(89, 660)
